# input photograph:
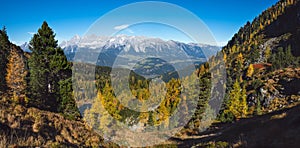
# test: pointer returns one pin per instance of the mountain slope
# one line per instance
(33, 127)
(277, 129)
(287, 24)
(258, 51)
(263, 59)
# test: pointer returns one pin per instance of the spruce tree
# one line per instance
(41, 46)
(50, 74)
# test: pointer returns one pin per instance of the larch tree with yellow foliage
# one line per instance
(237, 104)
(250, 70)
(267, 53)
(16, 73)
(239, 64)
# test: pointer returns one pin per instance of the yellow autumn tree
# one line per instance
(144, 114)
(224, 57)
(201, 70)
(267, 53)
(239, 62)
(261, 27)
(233, 49)
(16, 73)
(240, 58)
(97, 116)
(250, 70)
(164, 116)
(237, 101)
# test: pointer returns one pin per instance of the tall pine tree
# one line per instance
(41, 45)
(50, 74)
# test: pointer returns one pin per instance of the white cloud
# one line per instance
(121, 27)
(31, 33)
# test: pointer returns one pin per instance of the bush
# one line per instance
(227, 117)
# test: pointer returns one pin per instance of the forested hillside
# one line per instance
(262, 68)
(262, 62)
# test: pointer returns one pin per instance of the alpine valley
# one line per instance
(41, 107)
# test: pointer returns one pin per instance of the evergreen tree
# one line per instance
(254, 54)
(67, 104)
(151, 119)
(41, 45)
(4, 52)
(258, 110)
(204, 96)
(282, 59)
(50, 74)
(243, 108)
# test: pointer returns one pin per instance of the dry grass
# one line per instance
(13, 140)
(279, 116)
(21, 126)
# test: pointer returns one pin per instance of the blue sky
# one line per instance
(70, 17)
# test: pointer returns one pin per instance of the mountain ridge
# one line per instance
(139, 44)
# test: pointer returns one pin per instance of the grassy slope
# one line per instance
(34, 127)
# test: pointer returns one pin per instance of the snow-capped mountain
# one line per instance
(134, 51)
(137, 44)
(25, 47)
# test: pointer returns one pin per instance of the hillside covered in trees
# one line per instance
(40, 108)
(262, 62)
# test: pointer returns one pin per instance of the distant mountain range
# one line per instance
(138, 52)
(133, 44)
